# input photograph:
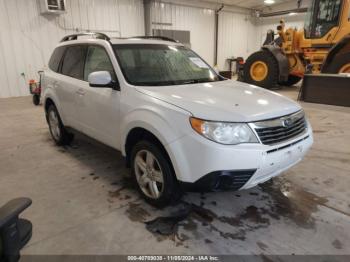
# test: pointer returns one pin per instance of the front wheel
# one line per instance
(154, 174)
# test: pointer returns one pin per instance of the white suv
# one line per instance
(178, 123)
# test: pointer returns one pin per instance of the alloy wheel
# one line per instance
(54, 125)
(149, 174)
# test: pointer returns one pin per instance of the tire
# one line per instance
(338, 63)
(292, 80)
(57, 130)
(36, 100)
(158, 172)
(271, 79)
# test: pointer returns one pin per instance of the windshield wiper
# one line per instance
(166, 83)
(175, 82)
(197, 81)
(190, 82)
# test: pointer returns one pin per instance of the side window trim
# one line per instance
(84, 63)
(61, 61)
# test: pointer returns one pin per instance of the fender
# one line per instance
(153, 120)
(282, 61)
(343, 46)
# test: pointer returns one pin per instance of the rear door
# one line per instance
(52, 76)
(98, 108)
(72, 75)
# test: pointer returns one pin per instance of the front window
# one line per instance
(160, 65)
(97, 59)
(322, 17)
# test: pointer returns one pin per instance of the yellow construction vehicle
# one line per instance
(323, 46)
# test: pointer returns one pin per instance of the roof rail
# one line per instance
(95, 35)
(164, 38)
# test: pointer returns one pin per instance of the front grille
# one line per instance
(281, 129)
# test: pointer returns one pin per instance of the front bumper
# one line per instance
(220, 180)
(200, 162)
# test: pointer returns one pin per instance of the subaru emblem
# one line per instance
(287, 122)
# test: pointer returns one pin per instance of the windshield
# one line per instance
(322, 17)
(160, 65)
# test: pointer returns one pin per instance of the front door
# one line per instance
(98, 108)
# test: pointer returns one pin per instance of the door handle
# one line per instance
(80, 92)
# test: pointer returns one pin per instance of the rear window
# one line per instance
(56, 57)
(73, 62)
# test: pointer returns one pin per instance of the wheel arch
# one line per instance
(138, 134)
(145, 123)
(47, 103)
(281, 59)
(50, 98)
(161, 121)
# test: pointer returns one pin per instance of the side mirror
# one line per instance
(102, 79)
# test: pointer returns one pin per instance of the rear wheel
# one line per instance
(58, 132)
(154, 174)
(261, 69)
(292, 80)
(340, 64)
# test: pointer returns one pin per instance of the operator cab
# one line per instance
(322, 16)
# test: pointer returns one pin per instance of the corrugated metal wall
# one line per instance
(28, 38)
(237, 37)
(199, 21)
(237, 31)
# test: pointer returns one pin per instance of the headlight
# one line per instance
(224, 133)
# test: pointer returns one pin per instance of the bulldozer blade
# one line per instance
(330, 89)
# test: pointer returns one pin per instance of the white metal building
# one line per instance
(28, 36)
(133, 147)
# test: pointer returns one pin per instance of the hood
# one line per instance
(225, 101)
